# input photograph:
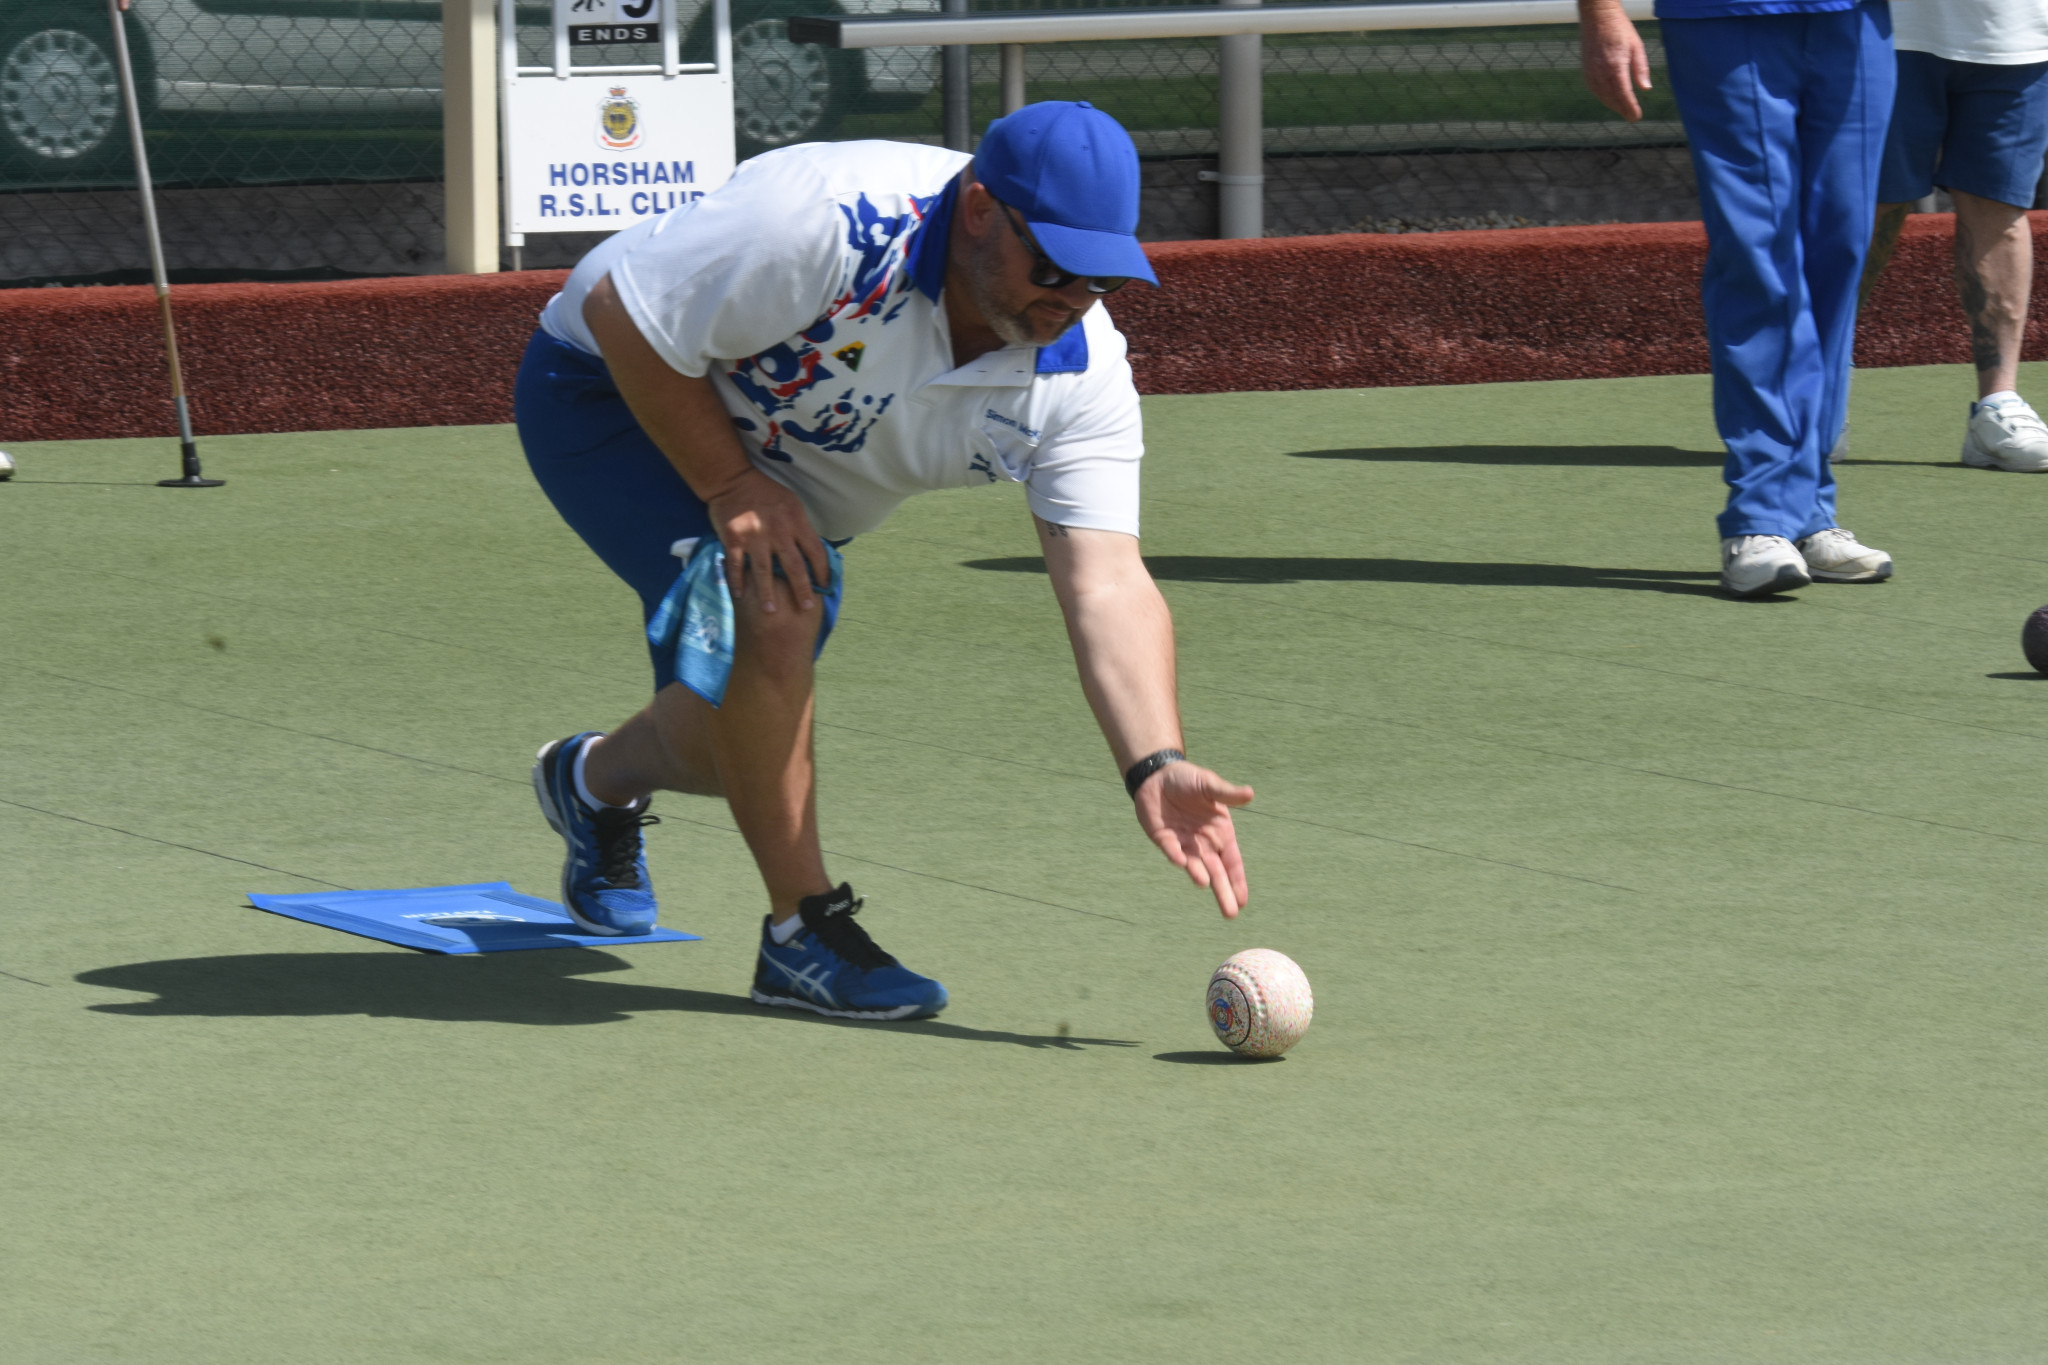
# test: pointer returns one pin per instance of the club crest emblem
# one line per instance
(618, 121)
(849, 355)
(1230, 1014)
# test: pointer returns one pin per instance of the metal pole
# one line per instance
(955, 76)
(508, 75)
(469, 135)
(1181, 21)
(188, 448)
(1241, 142)
(1013, 77)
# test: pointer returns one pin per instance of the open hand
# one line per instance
(1185, 810)
(762, 524)
(1611, 57)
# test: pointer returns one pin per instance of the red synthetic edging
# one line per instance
(414, 351)
(1475, 307)
(1285, 313)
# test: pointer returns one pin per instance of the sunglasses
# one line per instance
(1045, 274)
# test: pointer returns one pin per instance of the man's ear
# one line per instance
(977, 205)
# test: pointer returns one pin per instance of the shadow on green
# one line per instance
(545, 987)
(92, 483)
(1261, 569)
(1640, 457)
(1918, 464)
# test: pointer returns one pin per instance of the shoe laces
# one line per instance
(836, 928)
(1834, 535)
(618, 843)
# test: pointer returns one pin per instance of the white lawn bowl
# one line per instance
(1259, 1003)
(6, 465)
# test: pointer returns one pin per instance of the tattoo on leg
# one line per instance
(1985, 352)
(1884, 240)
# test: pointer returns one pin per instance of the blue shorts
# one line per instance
(603, 474)
(1966, 126)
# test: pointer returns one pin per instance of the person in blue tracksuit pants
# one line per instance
(1785, 104)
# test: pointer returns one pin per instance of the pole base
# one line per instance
(190, 481)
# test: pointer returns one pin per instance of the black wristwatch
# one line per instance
(1135, 775)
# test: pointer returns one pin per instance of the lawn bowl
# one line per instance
(1259, 1003)
(2034, 639)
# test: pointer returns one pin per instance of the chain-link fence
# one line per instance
(1366, 132)
(339, 100)
(302, 137)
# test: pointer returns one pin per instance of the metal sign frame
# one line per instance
(671, 68)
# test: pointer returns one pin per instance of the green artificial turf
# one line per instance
(1678, 961)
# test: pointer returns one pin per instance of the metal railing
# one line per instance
(1240, 24)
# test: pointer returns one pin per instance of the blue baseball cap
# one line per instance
(1071, 171)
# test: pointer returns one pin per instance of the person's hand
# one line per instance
(761, 524)
(1186, 811)
(1611, 57)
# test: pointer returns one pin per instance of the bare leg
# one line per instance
(667, 747)
(1884, 240)
(755, 750)
(761, 740)
(1994, 272)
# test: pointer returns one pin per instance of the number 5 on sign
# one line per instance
(592, 22)
(594, 147)
(610, 11)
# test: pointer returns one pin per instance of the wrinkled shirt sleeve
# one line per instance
(743, 269)
(1085, 471)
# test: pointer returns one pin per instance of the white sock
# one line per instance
(787, 930)
(583, 790)
(1999, 397)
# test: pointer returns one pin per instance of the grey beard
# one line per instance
(1011, 327)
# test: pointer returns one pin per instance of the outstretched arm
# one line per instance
(1122, 635)
(1611, 57)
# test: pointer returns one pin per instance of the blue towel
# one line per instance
(696, 616)
(476, 917)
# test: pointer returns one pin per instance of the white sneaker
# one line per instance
(1834, 556)
(2008, 435)
(1752, 566)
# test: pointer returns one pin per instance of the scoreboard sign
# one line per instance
(596, 148)
(593, 23)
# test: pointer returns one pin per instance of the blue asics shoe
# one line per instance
(604, 879)
(833, 967)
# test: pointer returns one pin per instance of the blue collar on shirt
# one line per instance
(926, 261)
(1068, 355)
(927, 254)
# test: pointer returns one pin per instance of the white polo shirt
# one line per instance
(808, 287)
(1990, 32)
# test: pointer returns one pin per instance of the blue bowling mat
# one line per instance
(483, 917)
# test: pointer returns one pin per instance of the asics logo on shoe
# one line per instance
(811, 981)
(839, 905)
(586, 870)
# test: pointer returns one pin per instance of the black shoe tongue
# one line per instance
(840, 901)
(831, 916)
